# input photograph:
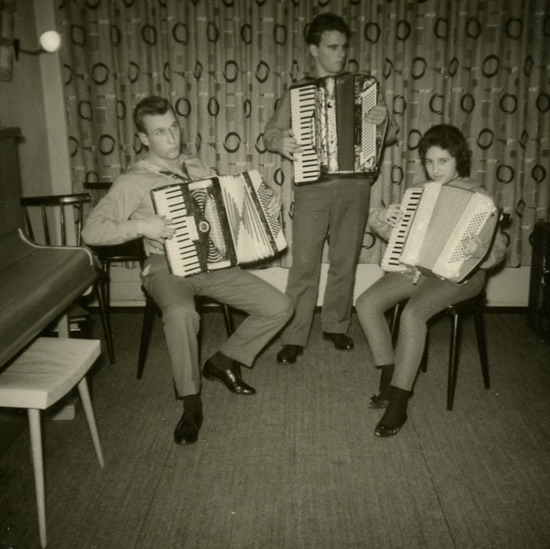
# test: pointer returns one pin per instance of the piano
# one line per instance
(37, 285)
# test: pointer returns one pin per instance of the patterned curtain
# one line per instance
(224, 63)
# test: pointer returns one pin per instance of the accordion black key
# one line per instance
(328, 120)
(219, 222)
(435, 222)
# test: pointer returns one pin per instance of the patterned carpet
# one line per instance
(297, 466)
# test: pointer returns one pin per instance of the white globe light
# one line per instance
(50, 41)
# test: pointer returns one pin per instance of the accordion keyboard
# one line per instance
(396, 243)
(306, 163)
(170, 203)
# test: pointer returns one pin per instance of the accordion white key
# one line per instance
(328, 120)
(436, 220)
(219, 222)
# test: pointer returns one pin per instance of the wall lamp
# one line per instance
(50, 41)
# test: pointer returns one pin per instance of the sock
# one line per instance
(192, 403)
(219, 360)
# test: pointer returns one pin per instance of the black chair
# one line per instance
(129, 251)
(152, 310)
(57, 220)
(456, 313)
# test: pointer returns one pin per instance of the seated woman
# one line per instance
(445, 157)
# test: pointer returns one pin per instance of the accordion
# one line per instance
(436, 220)
(328, 121)
(219, 222)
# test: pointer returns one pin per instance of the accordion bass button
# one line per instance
(203, 226)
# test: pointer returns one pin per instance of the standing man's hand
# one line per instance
(288, 145)
(377, 115)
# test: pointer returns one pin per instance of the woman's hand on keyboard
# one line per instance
(391, 215)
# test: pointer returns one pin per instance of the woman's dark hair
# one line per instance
(451, 139)
(151, 105)
(325, 22)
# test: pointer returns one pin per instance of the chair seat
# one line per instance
(46, 371)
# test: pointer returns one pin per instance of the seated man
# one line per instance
(127, 212)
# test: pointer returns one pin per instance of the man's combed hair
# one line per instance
(151, 105)
(325, 22)
(451, 139)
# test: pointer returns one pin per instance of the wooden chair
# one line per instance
(56, 220)
(38, 378)
(456, 313)
(152, 310)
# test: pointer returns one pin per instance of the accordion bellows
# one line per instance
(328, 120)
(219, 222)
(436, 220)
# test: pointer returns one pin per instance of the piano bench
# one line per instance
(44, 373)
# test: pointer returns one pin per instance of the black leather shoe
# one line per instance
(342, 342)
(229, 376)
(384, 431)
(289, 353)
(187, 429)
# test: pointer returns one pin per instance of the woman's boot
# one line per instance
(395, 415)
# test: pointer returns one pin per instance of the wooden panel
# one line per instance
(11, 216)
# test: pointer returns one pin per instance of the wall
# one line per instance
(33, 101)
(508, 288)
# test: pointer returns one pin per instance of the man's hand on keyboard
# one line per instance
(156, 227)
(288, 145)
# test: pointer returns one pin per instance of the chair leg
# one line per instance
(228, 319)
(89, 411)
(106, 267)
(424, 360)
(453, 359)
(394, 321)
(482, 347)
(147, 329)
(38, 466)
(105, 320)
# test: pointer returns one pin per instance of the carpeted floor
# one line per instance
(297, 466)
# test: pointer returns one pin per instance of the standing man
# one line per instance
(127, 212)
(334, 209)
